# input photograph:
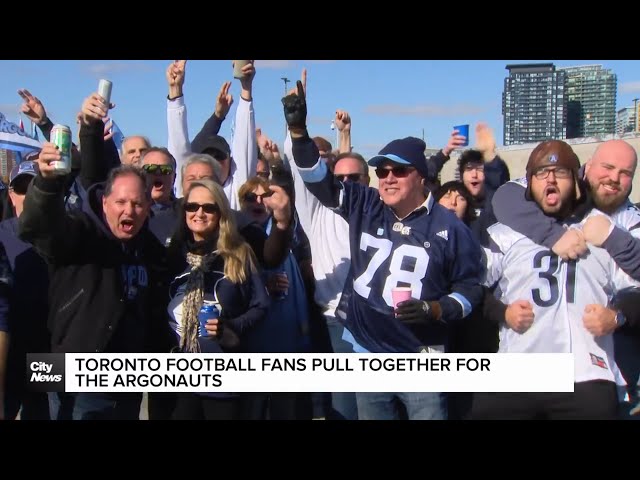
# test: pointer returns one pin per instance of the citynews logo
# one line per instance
(45, 372)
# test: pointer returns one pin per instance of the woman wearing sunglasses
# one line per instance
(212, 264)
(280, 331)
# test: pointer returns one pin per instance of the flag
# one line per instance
(34, 132)
(118, 136)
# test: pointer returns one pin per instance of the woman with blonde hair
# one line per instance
(211, 264)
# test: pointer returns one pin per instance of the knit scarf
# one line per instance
(193, 300)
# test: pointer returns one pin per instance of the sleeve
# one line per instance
(465, 274)
(496, 173)
(244, 149)
(627, 301)
(257, 306)
(624, 248)
(493, 309)
(306, 203)
(344, 198)
(55, 234)
(46, 128)
(301, 246)
(211, 127)
(6, 282)
(94, 168)
(512, 209)
(178, 140)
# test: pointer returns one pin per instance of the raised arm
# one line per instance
(436, 162)
(56, 235)
(178, 138)
(343, 124)
(212, 126)
(94, 167)
(244, 148)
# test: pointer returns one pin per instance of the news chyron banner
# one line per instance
(289, 372)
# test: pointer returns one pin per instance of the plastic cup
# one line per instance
(400, 294)
(464, 131)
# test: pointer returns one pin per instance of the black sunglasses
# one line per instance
(353, 177)
(253, 198)
(152, 168)
(398, 172)
(209, 208)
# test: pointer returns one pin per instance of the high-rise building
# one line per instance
(8, 159)
(591, 100)
(534, 105)
(625, 120)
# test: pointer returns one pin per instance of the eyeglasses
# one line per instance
(473, 166)
(152, 168)
(253, 198)
(209, 208)
(264, 174)
(398, 172)
(353, 177)
(558, 172)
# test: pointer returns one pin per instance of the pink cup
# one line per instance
(400, 294)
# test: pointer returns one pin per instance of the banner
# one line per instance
(289, 372)
(12, 137)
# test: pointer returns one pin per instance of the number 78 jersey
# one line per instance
(429, 251)
(559, 291)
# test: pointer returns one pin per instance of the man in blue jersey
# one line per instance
(399, 237)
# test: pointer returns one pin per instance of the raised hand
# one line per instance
(343, 121)
(32, 107)
(295, 108)
(176, 72)
(280, 204)
(224, 101)
(94, 109)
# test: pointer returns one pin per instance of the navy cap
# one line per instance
(404, 151)
(26, 167)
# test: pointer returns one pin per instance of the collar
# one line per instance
(427, 205)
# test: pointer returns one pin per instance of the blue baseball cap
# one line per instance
(26, 167)
(404, 151)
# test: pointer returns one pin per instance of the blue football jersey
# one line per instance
(430, 251)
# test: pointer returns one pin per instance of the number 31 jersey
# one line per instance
(429, 251)
(559, 291)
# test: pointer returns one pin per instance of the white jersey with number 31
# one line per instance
(559, 291)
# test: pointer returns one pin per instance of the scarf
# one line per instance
(194, 298)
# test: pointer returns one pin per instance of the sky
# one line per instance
(386, 99)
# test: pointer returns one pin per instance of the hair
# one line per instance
(124, 170)
(205, 159)
(237, 253)
(160, 150)
(457, 186)
(322, 144)
(469, 156)
(355, 156)
(125, 139)
(250, 185)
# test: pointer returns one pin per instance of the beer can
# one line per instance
(104, 90)
(207, 312)
(61, 137)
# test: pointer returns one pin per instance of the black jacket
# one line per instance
(105, 295)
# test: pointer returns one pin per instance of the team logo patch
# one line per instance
(427, 245)
(380, 231)
(553, 158)
(397, 227)
(405, 230)
(598, 361)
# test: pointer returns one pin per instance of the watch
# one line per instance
(620, 319)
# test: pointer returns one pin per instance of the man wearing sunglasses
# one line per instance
(399, 237)
(28, 309)
(573, 308)
(160, 165)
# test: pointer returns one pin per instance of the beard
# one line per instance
(607, 203)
